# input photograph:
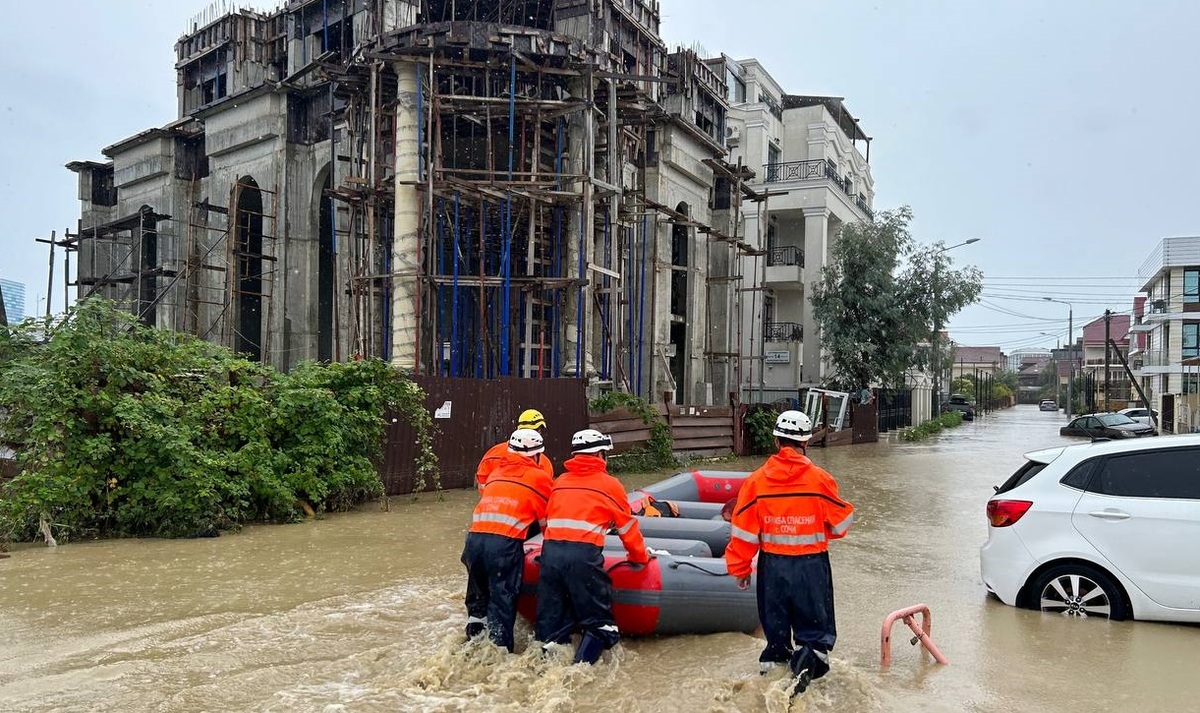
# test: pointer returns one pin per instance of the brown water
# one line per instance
(362, 612)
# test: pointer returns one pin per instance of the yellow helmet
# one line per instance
(531, 418)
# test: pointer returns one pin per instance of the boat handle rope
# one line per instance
(677, 563)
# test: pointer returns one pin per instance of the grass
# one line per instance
(950, 419)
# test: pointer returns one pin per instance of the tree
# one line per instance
(879, 296)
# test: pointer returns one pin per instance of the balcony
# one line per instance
(815, 170)
(785, 266)
(1163, 310)
(786, 255)
(783, 332)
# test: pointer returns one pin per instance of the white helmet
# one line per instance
(794, 426)
(590, 440)
(526, 441)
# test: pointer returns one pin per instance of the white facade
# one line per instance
(1169, 365)
(805, 154)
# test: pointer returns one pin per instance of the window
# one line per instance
(773, 154)
(1080, 476)
(1191, 286)
(1023, 474)
(737, 88)
(1173, 473)
(1191, 340)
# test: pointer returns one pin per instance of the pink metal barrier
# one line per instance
(908, 616)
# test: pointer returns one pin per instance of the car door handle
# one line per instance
(1110, 514)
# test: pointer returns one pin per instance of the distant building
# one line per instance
(1119, 393)
(969, 361)
(1019, 358)
(14, 300)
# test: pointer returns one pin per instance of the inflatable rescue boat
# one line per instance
(685, 591)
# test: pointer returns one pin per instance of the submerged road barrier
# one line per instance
(908, 616)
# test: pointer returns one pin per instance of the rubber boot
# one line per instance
(475, 627)
(589, 649)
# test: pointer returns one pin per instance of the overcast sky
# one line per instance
(1060, 133)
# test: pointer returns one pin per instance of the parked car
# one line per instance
(1106, 425)
(958, 402)
(1141, 415)
(1104, 530)
(1048, 405)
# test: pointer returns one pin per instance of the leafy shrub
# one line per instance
(657, 453)
(949, 419)
(123, 430)
(760, 424)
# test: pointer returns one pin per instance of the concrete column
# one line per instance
(405, 268)
(579, 236)
(816, 254)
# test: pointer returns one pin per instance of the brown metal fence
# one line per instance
(481, 414)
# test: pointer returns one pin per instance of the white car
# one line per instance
(1141, 415)
(1108, 529)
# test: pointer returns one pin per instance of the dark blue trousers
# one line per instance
(795, 607)
(574, 592)
(495, 565)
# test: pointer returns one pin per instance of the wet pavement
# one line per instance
(362, 612)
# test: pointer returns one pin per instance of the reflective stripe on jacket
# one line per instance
(495, 455)
(587, 502)
(787, 507)
(514, 498)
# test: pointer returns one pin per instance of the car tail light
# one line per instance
(1002, 513)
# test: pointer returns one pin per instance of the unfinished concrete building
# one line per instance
(470, 188)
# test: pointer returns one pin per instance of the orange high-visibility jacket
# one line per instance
(495, 454)
(514, 498)
(787, 507)
(587, 502)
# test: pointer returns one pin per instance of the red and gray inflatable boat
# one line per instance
(686, 591)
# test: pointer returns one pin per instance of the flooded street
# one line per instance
(363, 612)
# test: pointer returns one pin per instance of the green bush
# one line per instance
(657, 453)
(949, 419)
(760, 425)
(123, 430)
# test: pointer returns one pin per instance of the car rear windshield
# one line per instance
(1024, 473)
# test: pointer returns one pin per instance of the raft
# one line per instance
(670, 595)
(685, 591)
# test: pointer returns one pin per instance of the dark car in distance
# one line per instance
(958, 402)
(1106, 425)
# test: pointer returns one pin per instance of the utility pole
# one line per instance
(1107, 379)
(1070, 348)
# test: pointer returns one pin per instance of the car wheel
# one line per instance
(1079, 590)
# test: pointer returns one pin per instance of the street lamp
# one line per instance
(1070, 348)
(937, 325)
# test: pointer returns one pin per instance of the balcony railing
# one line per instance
(811, 171)
(786, 255)
(783, 332)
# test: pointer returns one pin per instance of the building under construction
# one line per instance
(471, 188)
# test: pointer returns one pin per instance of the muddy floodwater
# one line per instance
(363, 612)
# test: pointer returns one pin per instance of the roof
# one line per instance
(1036, 365)
(1118, 329)
(979, 355)
(835, 106)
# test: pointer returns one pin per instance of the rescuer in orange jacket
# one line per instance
(574, 591)
(513, 501)
(789, 509)
(529, 418)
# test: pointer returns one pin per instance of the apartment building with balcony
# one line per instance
(1167, 360)
(810, 159)
(1111, 391)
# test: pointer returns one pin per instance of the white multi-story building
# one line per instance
(805, 153)
(1168, 364)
